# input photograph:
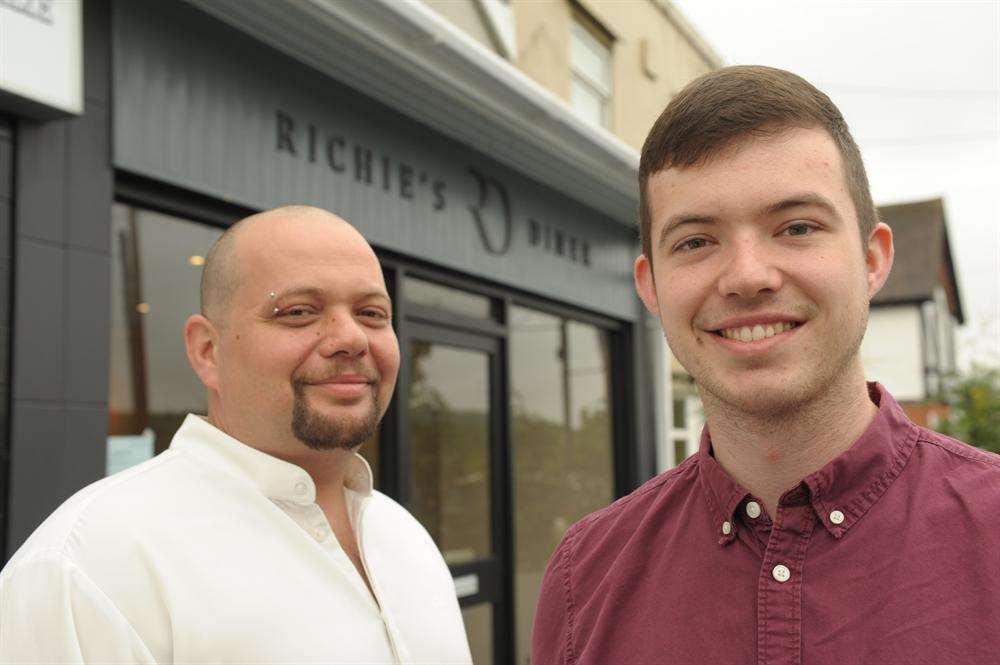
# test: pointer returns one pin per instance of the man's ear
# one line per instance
(878, 258)
(201, 340)
(645, 286)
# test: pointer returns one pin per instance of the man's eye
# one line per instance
(798, 230)
(374, 314)
(692, 243)
(295, 312)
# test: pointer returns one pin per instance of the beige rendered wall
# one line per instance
(467, 15)
(543, 28)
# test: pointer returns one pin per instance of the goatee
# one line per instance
(320, 432)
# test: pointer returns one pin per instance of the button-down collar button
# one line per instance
(727, 528)
(781, 573)
(321, 533)
(301, 488)
(753, 510)
(837, 517)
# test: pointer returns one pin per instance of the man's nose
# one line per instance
(748, 269)
(343, 335)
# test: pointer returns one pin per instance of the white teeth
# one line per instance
(757, 332)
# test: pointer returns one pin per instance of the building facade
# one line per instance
(504, 220)
(910, 342)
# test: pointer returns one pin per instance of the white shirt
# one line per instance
(216, 552)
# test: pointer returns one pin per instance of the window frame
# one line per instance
(592, 35)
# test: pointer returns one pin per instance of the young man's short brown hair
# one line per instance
(721, 107)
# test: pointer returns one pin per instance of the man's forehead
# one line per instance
(307, 253)
(760, 162)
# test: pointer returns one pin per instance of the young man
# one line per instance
(816, 524)
(256, 538)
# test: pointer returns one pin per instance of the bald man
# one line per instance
(257, 537)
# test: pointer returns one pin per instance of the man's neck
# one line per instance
(769, 455)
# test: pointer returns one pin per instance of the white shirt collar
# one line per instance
(275, 478)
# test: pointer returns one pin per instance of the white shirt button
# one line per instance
(301, 488)
(837, 517)
(321, 533)
(781, 573)
(753, 510)
(727, 528)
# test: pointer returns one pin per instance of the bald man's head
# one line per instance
(221, 274)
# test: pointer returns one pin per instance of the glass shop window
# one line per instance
(562, 442)
(155, 281)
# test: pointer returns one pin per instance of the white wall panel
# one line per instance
(892, 352)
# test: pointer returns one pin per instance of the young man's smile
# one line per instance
(756, 334)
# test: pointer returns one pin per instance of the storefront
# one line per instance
(519, 406)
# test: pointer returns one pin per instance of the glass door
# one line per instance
(453, 445)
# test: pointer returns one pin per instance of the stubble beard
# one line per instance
(320, 432)
(810, 388)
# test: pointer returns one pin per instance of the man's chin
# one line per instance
(338, 429)
(760, 397)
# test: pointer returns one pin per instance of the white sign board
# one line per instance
(126, 451)
(41, 55)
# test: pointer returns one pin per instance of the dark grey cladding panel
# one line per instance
(6, 218)
(41, 174)
(88, 189)
(202, 106)
(39, 321)
(6, 161)
(88, 275)
(48, 470)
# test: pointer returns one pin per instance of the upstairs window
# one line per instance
(590, 72)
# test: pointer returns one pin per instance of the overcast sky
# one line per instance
(919, 84)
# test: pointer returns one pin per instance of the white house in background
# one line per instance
(910, 343)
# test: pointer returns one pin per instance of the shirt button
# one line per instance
(753, 510)
(781, 573)
(727, 528)
(837, 517)
(321, 533)
(301, 488)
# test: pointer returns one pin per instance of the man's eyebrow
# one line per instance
(800, 199)
(681, 219)
(310, 291)
(319, 294)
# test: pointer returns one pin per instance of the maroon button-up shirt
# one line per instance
(888, 554)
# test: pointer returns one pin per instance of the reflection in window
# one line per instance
(429, 294)
(562, 443)
(478, 621)
(155, 281)
(449, 431)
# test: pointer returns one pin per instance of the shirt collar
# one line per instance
(853, 481)
(275, 478)
(849, 484)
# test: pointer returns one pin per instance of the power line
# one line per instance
(924, 140)
(912, 92)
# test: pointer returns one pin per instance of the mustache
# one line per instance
(370, 375)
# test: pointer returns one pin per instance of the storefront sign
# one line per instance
(41, 56)
(492, 212)
(202, 106)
